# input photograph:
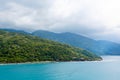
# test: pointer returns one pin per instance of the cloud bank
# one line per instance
(98, 19)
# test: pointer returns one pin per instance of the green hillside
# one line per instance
(16, 48)
(99, 47)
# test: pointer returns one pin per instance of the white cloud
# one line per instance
(17, 14)
(95, 18)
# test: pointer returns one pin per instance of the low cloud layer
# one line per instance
(92, 18)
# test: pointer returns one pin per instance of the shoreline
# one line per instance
(40, 62)
(27, 63)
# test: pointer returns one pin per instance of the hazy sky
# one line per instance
(98, 19)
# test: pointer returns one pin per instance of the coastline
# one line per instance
(42, 62)
(37, 62)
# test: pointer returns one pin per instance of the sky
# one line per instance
(97, 19)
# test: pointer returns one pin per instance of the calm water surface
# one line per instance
(108, 69)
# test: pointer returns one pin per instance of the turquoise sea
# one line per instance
(108, 69)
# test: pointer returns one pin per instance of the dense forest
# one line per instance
(16, 47)
(99, 47)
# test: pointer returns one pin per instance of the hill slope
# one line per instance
(98, 47)
(15, 47)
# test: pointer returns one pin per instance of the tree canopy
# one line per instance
(16, 48)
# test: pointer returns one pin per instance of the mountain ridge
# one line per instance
(18, 47)
(99, 47)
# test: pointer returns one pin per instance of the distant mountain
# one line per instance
(98, 47)
(17, 47)
(107, 47)
(16, 31)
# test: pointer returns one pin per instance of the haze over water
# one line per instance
(108, 69)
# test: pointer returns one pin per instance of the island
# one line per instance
(19, 48)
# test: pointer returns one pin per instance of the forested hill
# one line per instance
(16, 48)
(99, 47)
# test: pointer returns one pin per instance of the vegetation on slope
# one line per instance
(16, 48)
(97, 47)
